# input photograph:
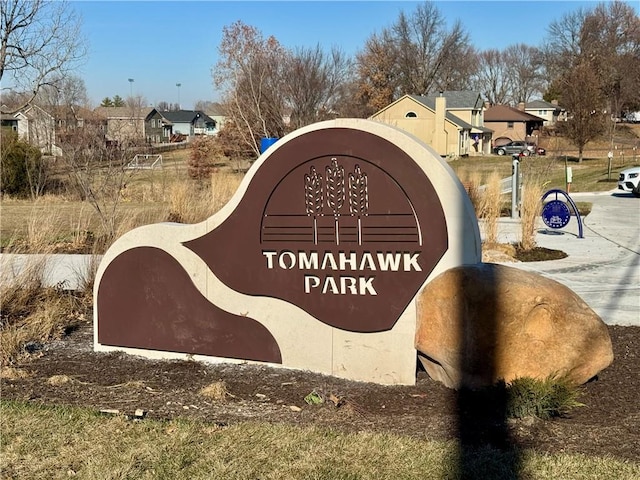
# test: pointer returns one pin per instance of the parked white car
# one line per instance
(629, 181)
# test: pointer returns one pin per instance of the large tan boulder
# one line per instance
(478, 324)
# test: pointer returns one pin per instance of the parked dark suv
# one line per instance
(517, 146)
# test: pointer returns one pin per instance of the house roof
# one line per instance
(32, 111)
(505, 113)
(430, 103)
(459, 99)
(542, 105)
(185, 116)
(77, 111)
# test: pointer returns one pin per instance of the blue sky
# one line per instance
(161, 43)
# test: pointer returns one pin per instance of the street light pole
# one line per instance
(178, 85)
(131, 87)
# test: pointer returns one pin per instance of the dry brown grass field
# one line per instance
(62, 223)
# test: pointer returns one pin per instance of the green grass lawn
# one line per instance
(591, 175)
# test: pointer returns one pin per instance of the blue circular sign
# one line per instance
(556, 214)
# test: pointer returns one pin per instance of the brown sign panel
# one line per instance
(147, 300)
(339, 222)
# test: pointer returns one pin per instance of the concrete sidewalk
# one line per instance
(603, 267)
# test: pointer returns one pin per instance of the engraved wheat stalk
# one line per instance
(358, 197)
(313, 198)
(335, 191)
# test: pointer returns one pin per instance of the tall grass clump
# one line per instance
(530, 210)
(223, 186)
(32, 312)
(85, 277)
(44, 229)
(188, 202)
(491, 205)
(191, 202)
(472, 182)
(81, 232)
(544, 399)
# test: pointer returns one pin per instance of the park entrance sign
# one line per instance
(314, 264)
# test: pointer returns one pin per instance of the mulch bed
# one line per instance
(68, 372)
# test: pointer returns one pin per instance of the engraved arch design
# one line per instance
(376, 251)
(356, 211)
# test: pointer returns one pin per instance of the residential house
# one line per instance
(125, 124)
(71, 118)
(186, 122)
(509, 123)
(451, 122)
(216, 112)
(34, 125)
(154, 125)
(550, 112)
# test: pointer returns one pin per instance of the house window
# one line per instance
(410, 115)
(509, 124)
(153, 123)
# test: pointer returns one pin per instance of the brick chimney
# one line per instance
(521, 106)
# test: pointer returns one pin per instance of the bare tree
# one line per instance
(524, 64)
(250, 74)
(427, 51)
(458, 68)
(354, 103)
(561, 47)
(492, 77)
(65, 91)
(169, 107)
(40, 43)
(315, 84)
(611, 41)
(204, 105)
(608, 38)
(67, 101)
(231, 139)
(580, 94)
(99, 172)
(417, 55)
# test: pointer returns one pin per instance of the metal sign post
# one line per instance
(515, 174)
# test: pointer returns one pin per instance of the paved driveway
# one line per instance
(604, 267)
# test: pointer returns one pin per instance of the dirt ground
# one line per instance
(68, 372)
